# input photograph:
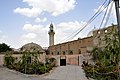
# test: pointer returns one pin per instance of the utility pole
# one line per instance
(118, 22)
(117, 13)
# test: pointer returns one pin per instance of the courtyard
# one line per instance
(69, 72)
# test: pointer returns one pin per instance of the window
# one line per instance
(98, 32)
(106, 31)
(52, 53)
(79, 51)
(71, 52)
(63, 52)
(58, 53)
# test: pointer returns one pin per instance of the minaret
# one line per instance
(51, 35)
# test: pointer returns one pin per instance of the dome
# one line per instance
(32, 47)
(90, 33)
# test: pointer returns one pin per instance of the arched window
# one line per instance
(106, 31)
(71, 52)
(79, 51)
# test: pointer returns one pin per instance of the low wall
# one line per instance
(1, 59)
(41, 58)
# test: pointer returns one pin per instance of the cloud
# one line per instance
(62, 31)
(33, 12)
(65, 29)
(38, 20)
(35, 33)
(29, 37)
(2, 36)
(32, 28)
(54, 7)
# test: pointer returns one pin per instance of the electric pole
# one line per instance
(117, 14)
(118, 22)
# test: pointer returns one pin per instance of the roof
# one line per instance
(32, 47)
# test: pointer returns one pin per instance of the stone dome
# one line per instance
(32, 47)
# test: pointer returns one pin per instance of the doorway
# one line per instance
(62, 60)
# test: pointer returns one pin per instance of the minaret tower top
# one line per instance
(51, 35)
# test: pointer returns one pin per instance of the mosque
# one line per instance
(71, 52)
(68, 53)
(76, 51)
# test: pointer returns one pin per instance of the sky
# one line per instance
(25, 21)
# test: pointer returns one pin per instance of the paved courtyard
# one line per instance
(59, 73)
(67, 73)
(7, 74)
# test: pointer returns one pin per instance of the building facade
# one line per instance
(68, 52)
(99, 35)
(76, 51)
(75, 47)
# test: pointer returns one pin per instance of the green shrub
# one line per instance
(28, 64)
(42, 69)
(9, 60)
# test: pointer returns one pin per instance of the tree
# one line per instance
(106, 58)
(4, 47)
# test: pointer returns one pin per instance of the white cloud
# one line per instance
(44, 19)
(38, 20)
(55, 7)
(33, 12)
(30, 36)
(32, 28)
(35, 33)
(63, 30)
(3, 38)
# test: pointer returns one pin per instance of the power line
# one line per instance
(98, 12)
(107, 18)
(92, 19)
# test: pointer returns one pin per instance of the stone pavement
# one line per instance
(68, 72)
(60, 73)
(7, 74)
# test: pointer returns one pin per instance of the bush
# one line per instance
(29, 63)
(52, 62)
(9, 60)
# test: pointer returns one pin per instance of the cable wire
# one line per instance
(107, 18)
(91, 19)
(89, 22)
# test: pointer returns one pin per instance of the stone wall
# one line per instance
(72, 59)
(79, 46)
(41, 58)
